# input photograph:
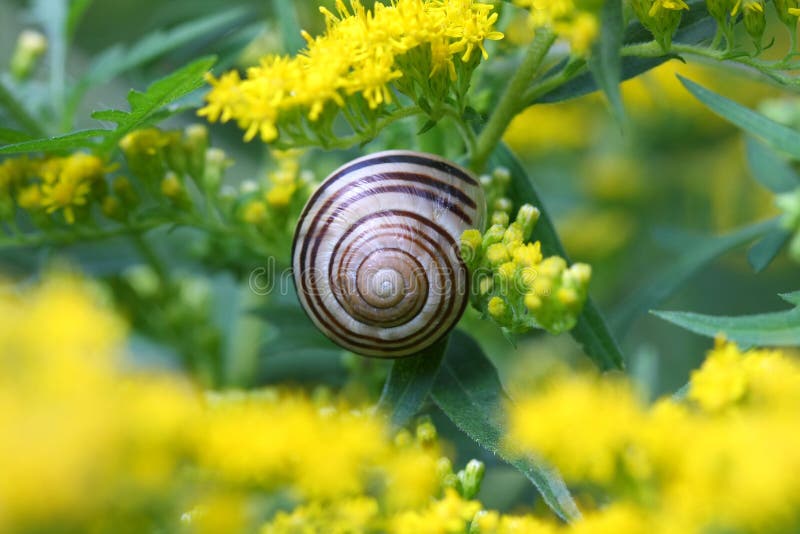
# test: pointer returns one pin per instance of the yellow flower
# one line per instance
(67, 182)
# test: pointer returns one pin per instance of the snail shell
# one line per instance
(376, 252)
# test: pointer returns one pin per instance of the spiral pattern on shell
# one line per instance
(376, 252)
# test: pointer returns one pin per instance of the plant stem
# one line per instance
(509, 103)
(767, 68)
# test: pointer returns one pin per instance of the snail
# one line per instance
(376, 258)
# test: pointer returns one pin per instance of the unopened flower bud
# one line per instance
(196, 144)
(527, 217)
(215, 164)
(755, 20)
(30, 46)
(471, 247)
(470, 478)
(499, 310)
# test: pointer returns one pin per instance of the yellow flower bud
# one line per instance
(567, 296)
(500, 218)
(542, 286)
(471, 247)
(497, 254)
(513, 235)
(507, 271)
(171, 186)
(255, 212)
(532, 302)
(552, 267)
(498, 310)
(528, 255)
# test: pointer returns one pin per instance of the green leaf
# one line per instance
(410, 381)
(605, 62)
(591, 331)
(70, 141)
(773, 133)
(18, 112)
(764, 330)
(767, 249)
(158, 95)
(286, 15)
(665, 281)
(469, 392)
(770, 169)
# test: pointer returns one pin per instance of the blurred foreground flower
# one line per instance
(87, 444)
(723, 460)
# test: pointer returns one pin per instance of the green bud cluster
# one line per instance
(515, 285)
(467, 481)
(163, 160)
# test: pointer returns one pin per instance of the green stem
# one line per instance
(62, 237)
(467, 133)
(357, 139)
(509, 103)
(767, 68)
(241, 362)
(149, 255)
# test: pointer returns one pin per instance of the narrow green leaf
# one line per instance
(18, 112)
(770, 169)
(410, 381)
(110, 115)
(773, 133)
(791, 298)
(469, 392)
(764, 329)
(13, 136)
(665, 281)
(158, 95)
(592, 331)
(286, 15)
(605, 63)
(767, 249)
(70, 141)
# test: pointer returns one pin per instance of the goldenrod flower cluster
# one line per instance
(415, 47)
(574, 20)
(725, 459)
(164, 160)
(516, 285)
(789, 203)
(48, 185)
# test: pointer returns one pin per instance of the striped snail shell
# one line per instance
(376, 252)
